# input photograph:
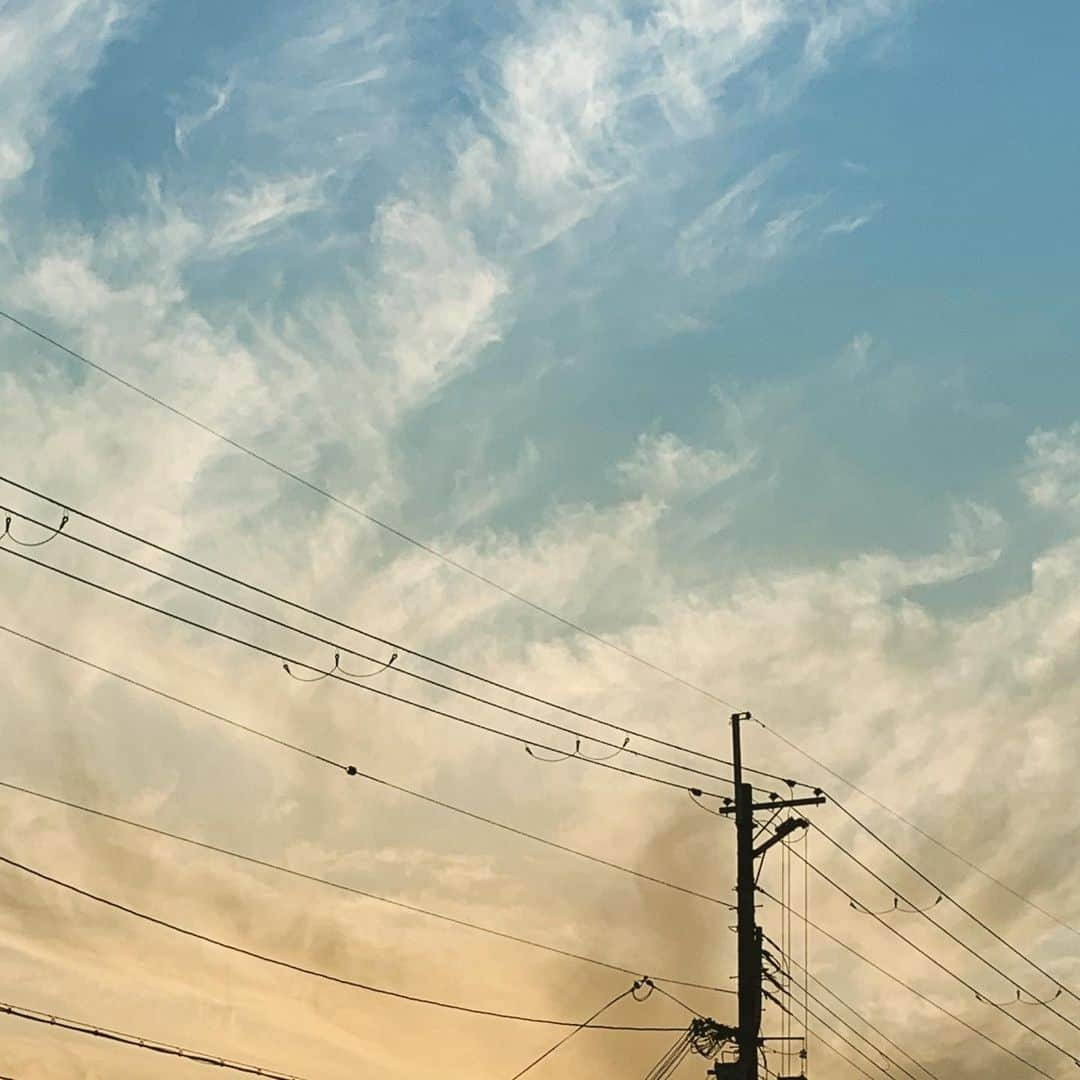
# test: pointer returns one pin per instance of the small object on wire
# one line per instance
(317, 678)
(897, 907)
(696, 795)
(577, 753)
(9, 535)
(644, 983)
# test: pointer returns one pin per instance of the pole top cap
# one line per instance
(737, 716)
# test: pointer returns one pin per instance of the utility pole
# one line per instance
(743, 807)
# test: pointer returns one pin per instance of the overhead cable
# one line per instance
(353, 890)
(337, 673)
(301, 969)
(947, 969)
(818, 928)
(397, 646)
(955, 903)
(971, 950)
(512, 594)
(570, 1034)
(352, 770)
(141, 1042)
(281, 656)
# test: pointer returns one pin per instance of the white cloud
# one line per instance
(187, 123)
(1051, 473)
(666, 467)
(852, 223)
(48, 52)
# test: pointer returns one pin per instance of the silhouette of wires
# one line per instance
(288, 965)
(352, 770)
(943, 893)
(578, 753)
(397, 646)
(385, 665)
(9, 535)
(141, 1042)
(1010, 1003)
(337, 677)
(898, 907)
(631, 992)
(492, 583)
(363, 893)
(949, 970)
(971, 950)
(925, 998)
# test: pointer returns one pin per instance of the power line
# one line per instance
(385, 694)
(341, 980)
(352, 770)
(843, 1057)
(388, 642)
(847, 1042)
(828, 1027)
(567, 1037)
(280, 624)
(858, 1016)
(570, 624)
(952, 900)
(869, 1042)
(352, 508)
(895, 814)
(141, 1042)
(315, 879)
(945, 968)
(948, 933)
(818, 928)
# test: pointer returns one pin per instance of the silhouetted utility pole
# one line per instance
(750, 934)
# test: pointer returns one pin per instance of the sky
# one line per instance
(737, 332)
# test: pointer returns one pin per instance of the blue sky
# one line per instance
(742, 332)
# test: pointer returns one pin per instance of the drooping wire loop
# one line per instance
(898, 907)
(337, 668)
(578, 753)
(371, 674)
(9, 535)
(316, 678)
(1019, 1000)
(642, 989)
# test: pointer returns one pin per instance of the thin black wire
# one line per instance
(299, 968)
(945, 968)
(682, 1004)
(828, 1027)
(390, 643)
(917, 993)
(866, 1022)
(392, 529)
(569, 1035)
(280, 624)
(352, 770)
(948, 933)
(315, 879)
(806, 944)
(385, 694)
(670, 1059)
(400, 534)
(851, 785)
(853, 1046)
(956, 903)
(140, 1042)
(869, 1042)
(843, 1057)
